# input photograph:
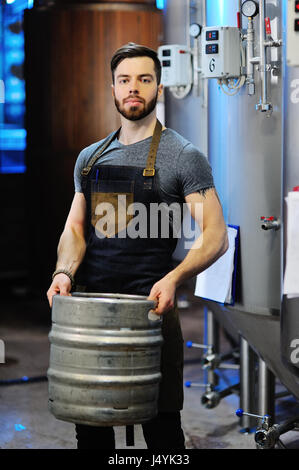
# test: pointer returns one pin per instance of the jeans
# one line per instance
(162, 432)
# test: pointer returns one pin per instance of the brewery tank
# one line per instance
(290, 306)
(245, 151)
(255, 164)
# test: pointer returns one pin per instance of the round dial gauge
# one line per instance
(195, 30)
(250, 8)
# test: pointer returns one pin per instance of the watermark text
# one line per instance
(295, 354)
(155, 220)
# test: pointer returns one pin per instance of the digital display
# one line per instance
(297, 6)
(166, 63)
(166, 53)
(297, 25)
(212, 35)
(212, 49)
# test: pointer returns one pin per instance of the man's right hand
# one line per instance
(61, 285)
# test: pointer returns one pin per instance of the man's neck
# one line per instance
(135, 131)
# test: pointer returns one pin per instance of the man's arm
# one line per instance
(210, 245)
(71, 247)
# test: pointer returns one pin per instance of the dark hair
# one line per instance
(135, 50)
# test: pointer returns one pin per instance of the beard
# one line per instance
(135, 113)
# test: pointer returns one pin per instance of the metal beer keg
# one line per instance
(104, 359)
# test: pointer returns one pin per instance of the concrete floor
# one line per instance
(25, 422)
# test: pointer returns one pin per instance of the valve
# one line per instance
(240, 413)
(210, 399)
(210, 361)
(269, 223)
(266, 436)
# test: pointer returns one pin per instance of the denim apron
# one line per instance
(117, 263)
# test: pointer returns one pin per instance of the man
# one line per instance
(150, 165)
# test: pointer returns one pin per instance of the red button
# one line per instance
(297, 6)
(296, 25)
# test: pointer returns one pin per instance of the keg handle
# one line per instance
(152, 316)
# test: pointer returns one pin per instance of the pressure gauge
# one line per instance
(195, 30)
(250, 8)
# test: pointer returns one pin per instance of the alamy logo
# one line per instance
(295, 93)
(2, 352)
(136, 220)
(295, 354)
(2, 92)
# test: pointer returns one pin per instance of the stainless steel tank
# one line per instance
(249, 152)
(104, 359)
(290, 306)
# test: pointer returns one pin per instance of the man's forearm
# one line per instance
(71, 250)
(204, 252)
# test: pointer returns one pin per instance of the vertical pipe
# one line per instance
(266, 391)
(262, 12)
(188, 40)
(204, 13)
(250, 53)
(247, 381)
(212, 338)
(240, 12)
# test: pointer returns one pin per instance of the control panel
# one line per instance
(176, 65)
(221, 52)
(293, 33)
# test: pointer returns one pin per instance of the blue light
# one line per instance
(12, 88)
(221, 11)
(19, 427)
(160, 4)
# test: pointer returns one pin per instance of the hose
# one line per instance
(24, 380)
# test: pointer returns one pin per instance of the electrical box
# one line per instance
(221, 52)
(176, 65)
(293, 34)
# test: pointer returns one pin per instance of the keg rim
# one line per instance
(110, 297)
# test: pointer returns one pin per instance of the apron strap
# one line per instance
(149, 170)
(98, 152)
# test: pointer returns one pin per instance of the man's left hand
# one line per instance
(163, 292)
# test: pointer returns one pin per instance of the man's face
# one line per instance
(135, 88)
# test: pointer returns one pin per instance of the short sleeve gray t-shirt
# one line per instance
(181, 167)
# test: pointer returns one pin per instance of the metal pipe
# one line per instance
(266, 391)
(247, 382)
(204, 13)
(240, 13)
(250, 55)
(212, 338)
(205, 82)
(195, 66)
(263, 50)
(286, 393)
(229, 355)
(211, 399)
(288, 425)
(188, 40)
